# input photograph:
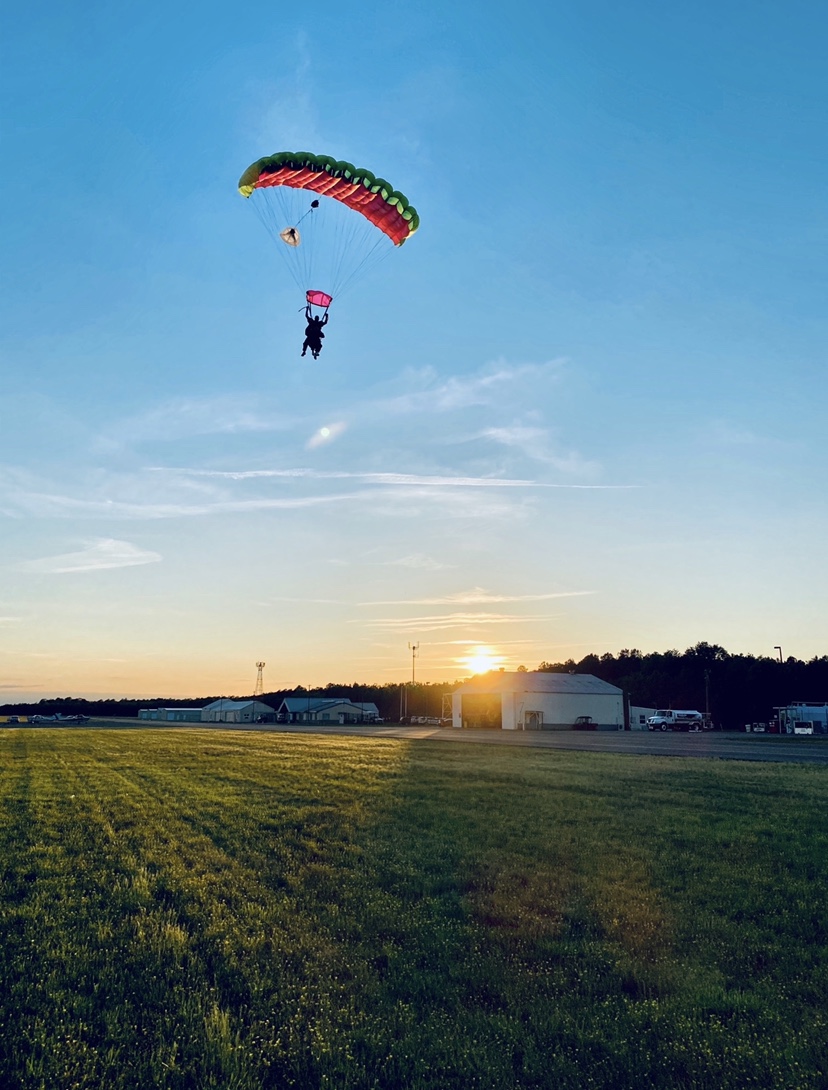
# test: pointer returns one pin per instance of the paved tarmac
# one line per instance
(722, 746)
(730, 746)
(711, 744)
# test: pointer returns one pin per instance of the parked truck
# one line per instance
(678, 720)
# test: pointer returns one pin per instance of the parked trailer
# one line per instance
(803, 717)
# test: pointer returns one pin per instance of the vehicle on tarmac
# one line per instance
(677, 720)
(584, 722)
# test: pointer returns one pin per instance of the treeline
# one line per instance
(392, 700)
(738, 689)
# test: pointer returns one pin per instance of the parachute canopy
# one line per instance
(355, 187)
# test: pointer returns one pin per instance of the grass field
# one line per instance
(195, 910)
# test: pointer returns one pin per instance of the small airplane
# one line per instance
(58, 718)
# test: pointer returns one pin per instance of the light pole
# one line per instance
(779, 649)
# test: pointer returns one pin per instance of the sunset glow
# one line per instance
(482, 659)
(491, 444)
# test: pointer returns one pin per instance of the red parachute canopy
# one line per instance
(355, 187)
(318, 298)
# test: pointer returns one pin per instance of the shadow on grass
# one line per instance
(186, 910)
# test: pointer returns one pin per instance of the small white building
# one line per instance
(533, 700)
(237, 711)
(171, 715)
(639, 717)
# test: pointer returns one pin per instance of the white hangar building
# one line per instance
(531, 700)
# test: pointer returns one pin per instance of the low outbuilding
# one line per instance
(238, 711)
(639, 717)
(171, 715)
(326, 709)
(533, 700)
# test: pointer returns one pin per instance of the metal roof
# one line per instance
(302, 703)
(233, 705)
(534, 681)
(175, 709)
(314, 704)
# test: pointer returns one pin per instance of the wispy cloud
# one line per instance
(418, 560)
(307, 601)
(186, 417)
(439, 622)
(431, 480)
(466, 391)
(42, 504)
(536, 443)
(730, 434)
(285, 115)
(100, 555)
(479, 596)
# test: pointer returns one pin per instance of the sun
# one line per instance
(482, 659)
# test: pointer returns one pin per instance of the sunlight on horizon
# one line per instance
(481, 659)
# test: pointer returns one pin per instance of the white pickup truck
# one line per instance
(676, 720)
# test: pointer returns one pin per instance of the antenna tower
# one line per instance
(259, 680)
(413, 648)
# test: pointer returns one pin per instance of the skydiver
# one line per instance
(313, 333)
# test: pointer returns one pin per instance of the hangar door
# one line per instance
(482, 711)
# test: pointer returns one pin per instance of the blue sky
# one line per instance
(581, 410)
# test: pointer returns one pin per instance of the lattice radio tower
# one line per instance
(259, 690)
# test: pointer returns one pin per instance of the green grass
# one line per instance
(194, 909)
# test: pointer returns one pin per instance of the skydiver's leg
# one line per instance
(306, 346)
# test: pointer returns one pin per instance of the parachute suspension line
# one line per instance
(335, 247)
(355, 235)
(313, 205)
(267, 216)
(377, 253)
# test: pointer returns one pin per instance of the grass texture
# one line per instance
(247, 911)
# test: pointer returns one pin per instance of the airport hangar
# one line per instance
(532, 700)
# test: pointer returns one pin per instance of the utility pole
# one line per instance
(779, 649)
